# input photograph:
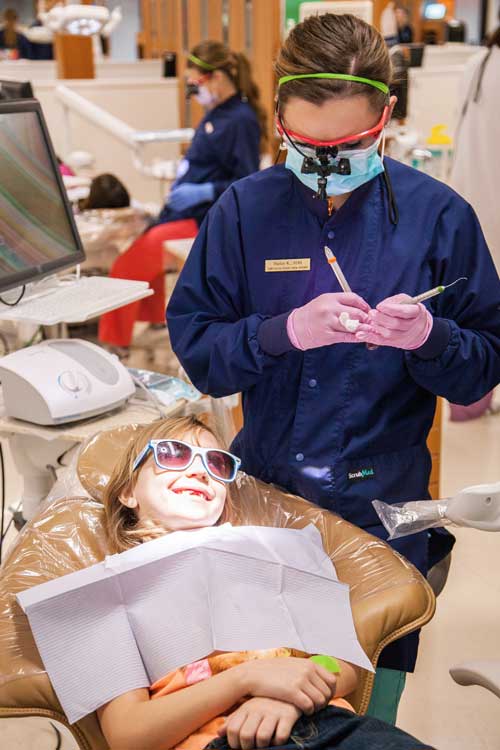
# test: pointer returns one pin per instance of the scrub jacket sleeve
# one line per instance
(237, 149)
(469, 365)
(211, 328)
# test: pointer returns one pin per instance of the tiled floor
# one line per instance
(466, 624)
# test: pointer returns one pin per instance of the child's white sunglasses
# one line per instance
(175, 455)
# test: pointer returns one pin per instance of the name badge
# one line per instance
(288, 264)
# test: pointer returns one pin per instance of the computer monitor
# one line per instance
(434, 11)
(10, 89)
(38, 235)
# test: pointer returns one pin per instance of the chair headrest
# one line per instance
(99, 457)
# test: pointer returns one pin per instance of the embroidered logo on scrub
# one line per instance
(288, 264)
(360, 474)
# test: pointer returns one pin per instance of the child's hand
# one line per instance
(260, 722)
(306, 685)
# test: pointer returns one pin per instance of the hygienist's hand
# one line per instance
(397, 322)
(260, 722)
(189, 194)
(307, 685)
(318, 323)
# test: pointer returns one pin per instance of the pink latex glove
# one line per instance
(317, 323)
(394, 323)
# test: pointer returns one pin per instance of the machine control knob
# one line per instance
(73, 382)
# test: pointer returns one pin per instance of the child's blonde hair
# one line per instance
(123, 526)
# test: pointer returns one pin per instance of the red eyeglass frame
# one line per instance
(202, 74)
(349, 139)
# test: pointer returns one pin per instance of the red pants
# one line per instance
(145, 260)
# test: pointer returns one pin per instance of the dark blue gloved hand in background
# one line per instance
(190, 194)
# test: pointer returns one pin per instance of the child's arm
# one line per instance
(347, 680)
(133, 720)
(262, 722)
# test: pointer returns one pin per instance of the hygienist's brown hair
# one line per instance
(331, 43)
(237, 68)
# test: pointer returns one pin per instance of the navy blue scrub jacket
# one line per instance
(339, 425)
(225, 148)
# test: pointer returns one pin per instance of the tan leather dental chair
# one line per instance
(389, 597)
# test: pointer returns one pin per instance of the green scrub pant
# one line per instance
(387, 691)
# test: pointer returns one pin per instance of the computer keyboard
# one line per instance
(77, 301)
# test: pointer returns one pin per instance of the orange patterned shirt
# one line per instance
(205, 668)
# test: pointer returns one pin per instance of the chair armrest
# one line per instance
(33, 695)
(483, 672)
(389, 597)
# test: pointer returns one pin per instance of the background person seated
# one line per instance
(145, 260)
(106, 191)
(107, 223)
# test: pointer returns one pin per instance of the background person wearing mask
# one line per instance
(226, 147)
(257, 308)
(228, 140)
(476, 164)
(10, 38)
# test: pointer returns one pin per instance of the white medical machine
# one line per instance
(58, 381)
(38, 235)
(135, 140)
(63, 380)
(94, 21)
(476, 507)
(81, 19)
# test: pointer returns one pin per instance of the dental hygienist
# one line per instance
(340, 417)
(228, 140)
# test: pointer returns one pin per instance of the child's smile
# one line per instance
(195, 491)
(187, 499)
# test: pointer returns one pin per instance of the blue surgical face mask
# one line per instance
(365, 164)
(205, 97)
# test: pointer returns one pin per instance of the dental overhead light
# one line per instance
(135, 140)
(81, 19)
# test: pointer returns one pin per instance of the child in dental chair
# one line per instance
(175, 476)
